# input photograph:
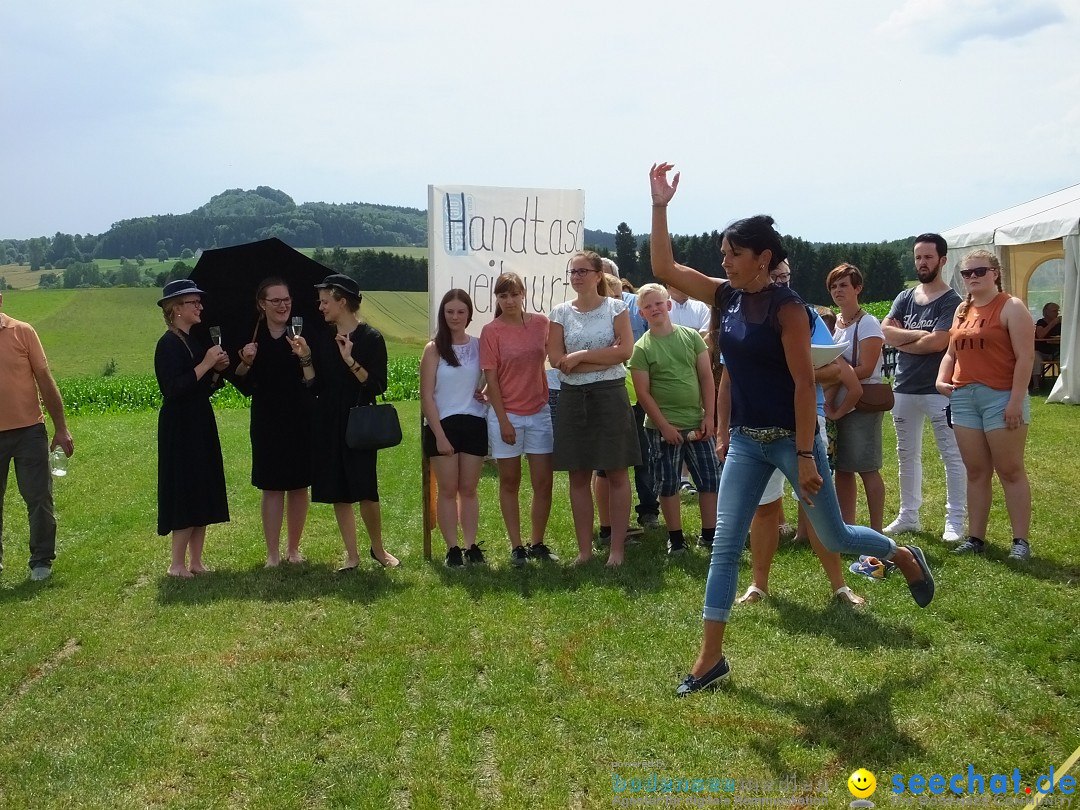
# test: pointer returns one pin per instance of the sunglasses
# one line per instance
(978, 272)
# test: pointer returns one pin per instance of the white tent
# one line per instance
(1024, 237)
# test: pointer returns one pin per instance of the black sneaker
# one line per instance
(970, 546)
(538, 551)
(649, 521)
(453, 558)
(602, 540)
(709, 680)
(1021, 550)
(474, 556)
(703, 543)
(519, 556)
(675, 547)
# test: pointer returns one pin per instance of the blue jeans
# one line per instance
(746, 471)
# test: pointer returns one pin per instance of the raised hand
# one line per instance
(662, 190)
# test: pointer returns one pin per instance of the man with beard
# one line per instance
(918, 326)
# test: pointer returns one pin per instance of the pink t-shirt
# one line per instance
(516, 354)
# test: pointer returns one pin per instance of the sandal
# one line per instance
(753, 595)
(849, 597)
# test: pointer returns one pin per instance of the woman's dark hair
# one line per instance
(507, 282)
(757, 234)
(260, 292)
(842, 271)
(443, 339)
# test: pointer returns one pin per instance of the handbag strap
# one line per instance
(855, 343)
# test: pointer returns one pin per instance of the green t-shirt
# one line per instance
(671, 363)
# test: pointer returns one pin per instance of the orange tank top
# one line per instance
(982, 347)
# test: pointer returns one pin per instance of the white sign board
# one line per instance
(476, 233)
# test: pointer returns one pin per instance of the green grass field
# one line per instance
(83, 330)
(498, 687)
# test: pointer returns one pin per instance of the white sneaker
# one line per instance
(902, 525)
(951, 535)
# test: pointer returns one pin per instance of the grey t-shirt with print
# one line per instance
(917, 373)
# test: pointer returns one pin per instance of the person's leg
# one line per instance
(272, 507)
(509, 487)
(619, 503)
(1007, 450)
(764, 538)
(371, 514)
(178, 557)
(31, 454)
(648, 504)
(296, 504)
(446, 469)
(979, 466)
(5, 465)
(346, 521)
(581, 508)
(195, 550)
(540, 476)
(955, 476)
(705, 470)
(846, 492)
(907, 416)
(468, 477)
(743, 480)
(874, 486)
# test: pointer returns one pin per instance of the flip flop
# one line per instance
(752, 596)
(922, 591)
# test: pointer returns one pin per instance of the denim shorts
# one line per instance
(979, 407)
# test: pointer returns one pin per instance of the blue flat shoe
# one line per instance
(710, 680)
(922, 591)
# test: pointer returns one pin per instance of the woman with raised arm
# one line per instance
(346, 366)
(454, 437)
(764, 336)
(269, 373)
(589, 341)
(985, 374)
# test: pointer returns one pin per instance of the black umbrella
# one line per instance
(230, 276)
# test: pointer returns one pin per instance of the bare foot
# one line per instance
(272, 563)
(200, 569)
(581, 559)
(387, 560)
(182, 573)
(295, 559)
(614, 560)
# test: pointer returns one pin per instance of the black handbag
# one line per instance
(373, 427)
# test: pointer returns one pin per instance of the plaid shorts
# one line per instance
(666, 460)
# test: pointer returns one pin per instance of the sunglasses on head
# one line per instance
(978, 272)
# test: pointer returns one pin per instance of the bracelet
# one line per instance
(305, 361)
(354, 366)
(245, 363)
(805, 453)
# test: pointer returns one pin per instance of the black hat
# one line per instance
(342, 283)
(182, 286)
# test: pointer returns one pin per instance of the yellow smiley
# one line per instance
(861, 783)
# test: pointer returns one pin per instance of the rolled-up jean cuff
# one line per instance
(716, 614)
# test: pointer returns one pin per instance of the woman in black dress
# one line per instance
(345, 366)
(269, 373)
(191, 475)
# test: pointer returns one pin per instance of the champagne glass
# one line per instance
(215, 335)
(296, 326)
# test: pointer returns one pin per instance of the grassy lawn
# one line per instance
(498, 687)
(83, 330)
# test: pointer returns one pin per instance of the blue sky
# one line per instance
(846, 120)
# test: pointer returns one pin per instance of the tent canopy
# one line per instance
(1044, 220)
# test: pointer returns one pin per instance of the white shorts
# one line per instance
(774, 490)
(534, 434)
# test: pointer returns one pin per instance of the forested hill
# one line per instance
(237, 216)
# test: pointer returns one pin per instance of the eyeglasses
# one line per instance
(194, 302)
(782, 277)
(978, 272)
(580, 271)
(278, 302)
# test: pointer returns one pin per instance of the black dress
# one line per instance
(280, 416)
(191, 475)
(340, 474)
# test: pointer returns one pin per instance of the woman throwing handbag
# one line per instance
(858, 434)
(346, 367)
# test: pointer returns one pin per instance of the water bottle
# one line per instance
(58, 462)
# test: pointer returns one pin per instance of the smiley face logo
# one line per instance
(862, 783)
